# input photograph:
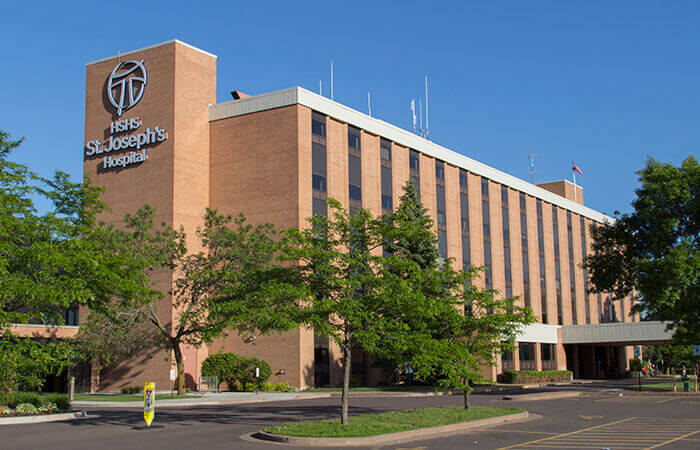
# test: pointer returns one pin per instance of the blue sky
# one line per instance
(603, 83)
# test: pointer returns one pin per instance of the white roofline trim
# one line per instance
(150, 47)
(294, 95)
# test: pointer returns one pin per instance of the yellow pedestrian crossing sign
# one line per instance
(149, 402)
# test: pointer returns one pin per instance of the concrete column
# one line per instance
(538, 357)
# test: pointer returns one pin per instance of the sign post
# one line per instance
(696, 353)
(149, 402)
(638, 354)
(173, 376)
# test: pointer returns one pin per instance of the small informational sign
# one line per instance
(149, 402)
(173, 374)
(696, 350)
(638, 352)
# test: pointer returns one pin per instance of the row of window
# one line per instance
(319, 188)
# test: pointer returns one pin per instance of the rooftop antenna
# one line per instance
(331, 79)
(413, 114)
(531, 157)
(427, 128)
(420, 113)
(369, 104)
(320, 88)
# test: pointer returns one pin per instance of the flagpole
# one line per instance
(573, 169)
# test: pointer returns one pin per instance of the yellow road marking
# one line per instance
(668, 400)
(567, 434)
(524, 431)
(674, 440)
(574, 446)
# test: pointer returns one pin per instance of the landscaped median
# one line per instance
(394, 426)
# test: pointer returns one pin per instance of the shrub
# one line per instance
(266, 387)
(131, 389)
(635, 365)
(229, 367)
(18, 398)
(265, 370)
(5, 398)
(48, 407)
(60, 400)
(533, 376)
(237, 371)
(25, 409)
(283, 387)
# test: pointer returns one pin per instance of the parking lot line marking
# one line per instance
(674, 440)
(567, 434)
(670, 399)
(525, 431)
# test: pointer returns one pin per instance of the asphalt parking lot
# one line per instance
(598, 419)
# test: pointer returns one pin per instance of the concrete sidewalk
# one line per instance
(222, 398)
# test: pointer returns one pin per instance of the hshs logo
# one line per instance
(126, 88)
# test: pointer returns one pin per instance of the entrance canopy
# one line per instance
(625, 333)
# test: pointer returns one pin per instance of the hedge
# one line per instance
(533, 376)
(237, 371)
(12, 399)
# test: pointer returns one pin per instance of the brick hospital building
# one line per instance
(155, 133)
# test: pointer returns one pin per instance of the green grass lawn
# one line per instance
(668, 386)
(391, 422)
(392, 388)
(124, 397)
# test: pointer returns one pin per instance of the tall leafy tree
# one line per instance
(335, 272)
(53, 260)
(409, 232)
(231, 283)
(654, 249)
(455, 328)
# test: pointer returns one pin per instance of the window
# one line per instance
(557, 266)
(318, 125)
(414, 166)
(486, 221)
(526, 355)
(318, 164)
(353, 138)
(414, 161)
(540, 250)
(354, 169)
(507, 359)
(385, 150)
(506, 241)
(587, 303)
(548, 360)
(523, 241)
(572, 272)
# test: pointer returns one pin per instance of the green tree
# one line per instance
(230, 283)
(54, 260)
(342, 286)
(654, 249)
(455, 328)
(674, 356)
(408, 231)
(114, 335)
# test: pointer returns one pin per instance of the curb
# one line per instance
(543, 396)
(393, 438)
(180, 403)
(46, 418)
(396, 394)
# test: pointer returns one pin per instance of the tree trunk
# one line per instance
(180, 366)
(466, 392)
(345, 399)
(95, 375)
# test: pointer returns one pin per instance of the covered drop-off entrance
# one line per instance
(604, 350)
